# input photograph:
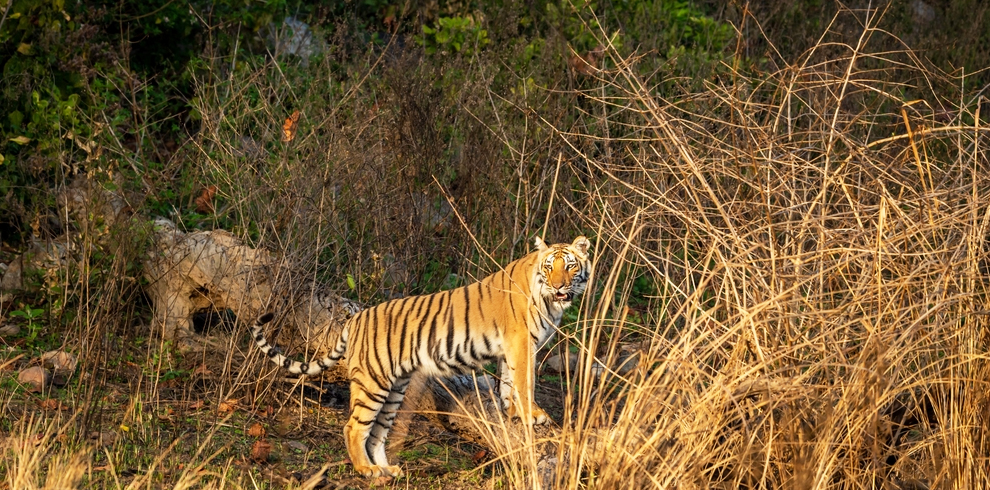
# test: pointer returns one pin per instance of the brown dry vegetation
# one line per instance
(801, 256)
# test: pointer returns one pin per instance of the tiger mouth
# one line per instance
(561, 297)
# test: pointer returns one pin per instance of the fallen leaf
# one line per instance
(202, 369)
(479, 456)
(21, 140)
(204, 203)
(228, 406)
(166, 415)
(50, 404)
(588, 64)
(260, 451)
(290, 127)
(256, 430)
(196, 405)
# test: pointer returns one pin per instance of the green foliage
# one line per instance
(33, 317)
(454, 35)
(78, 76)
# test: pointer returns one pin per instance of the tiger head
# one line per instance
(563, 270)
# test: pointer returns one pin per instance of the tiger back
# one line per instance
(505, 317)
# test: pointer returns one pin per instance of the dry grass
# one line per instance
(817, 311)
(801, 256)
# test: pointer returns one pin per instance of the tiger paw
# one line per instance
(375, 471)
(539, 416)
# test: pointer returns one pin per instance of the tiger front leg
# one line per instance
(517, 371)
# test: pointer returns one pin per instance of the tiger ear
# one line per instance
(540, 245)
(581, 244)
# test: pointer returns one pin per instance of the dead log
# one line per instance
(191, 272)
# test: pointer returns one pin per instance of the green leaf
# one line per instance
(350, 282)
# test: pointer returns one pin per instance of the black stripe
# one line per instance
(427, 303)
(389, 317)
(432, 336)
(472, 351)
(481, 302)
(397, 362)
(359, 403)
(450, 327)
(364, 389)
(377, 370)
(467, 311)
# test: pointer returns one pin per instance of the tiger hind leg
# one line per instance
(366, 406)
(383, 424)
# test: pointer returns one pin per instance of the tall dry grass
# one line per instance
(816, 315)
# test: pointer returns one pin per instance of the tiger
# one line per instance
(506, 317)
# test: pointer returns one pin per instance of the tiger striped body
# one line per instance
(505, 317)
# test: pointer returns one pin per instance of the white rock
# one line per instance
(35, 378)
(59, 361)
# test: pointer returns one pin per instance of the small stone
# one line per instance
(35, 378)
(298, 446)
(9, 330)
(555, 364)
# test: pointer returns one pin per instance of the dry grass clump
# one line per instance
(815, 314)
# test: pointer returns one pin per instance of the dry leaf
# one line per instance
(202, 369)
(260, 451)
(587, 64)
(228, 406)
(290, 127)
(479, 456)
(196, 405)
(204, 203)
(50, 404)
(256, 430)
